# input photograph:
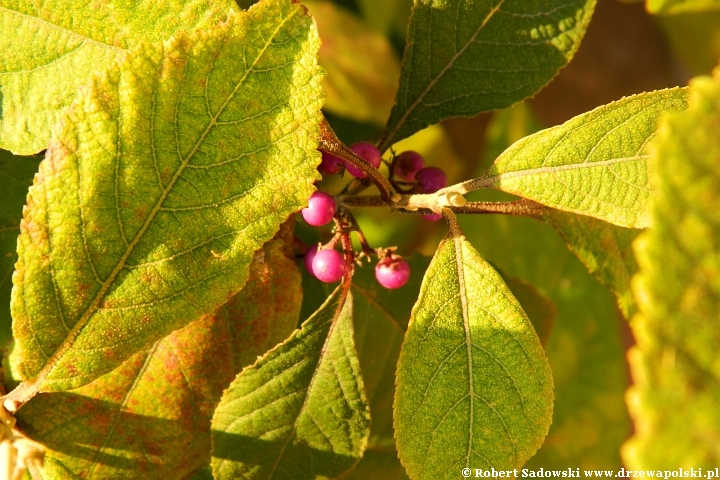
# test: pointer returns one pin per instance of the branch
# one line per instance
(424, 204)
(329, 143)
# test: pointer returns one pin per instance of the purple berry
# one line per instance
(320, 209)
(369, 152)
(309, 255)
(407, 164)
(330, 164)
(430, 179)
(328, 265)
(392, 272)
(433, 217)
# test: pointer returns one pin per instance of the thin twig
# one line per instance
(330, 143)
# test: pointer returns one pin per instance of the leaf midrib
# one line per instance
(72, 335)
(388, 138)
(492, 180)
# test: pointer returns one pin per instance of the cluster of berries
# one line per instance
(392, 271)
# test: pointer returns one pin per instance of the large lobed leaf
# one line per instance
(161, 181)
(474, 388)
(52, 47)
(150, 417)
(300, 411)
(465, 57)
(595, 164)
(675, 402)
(17, 175)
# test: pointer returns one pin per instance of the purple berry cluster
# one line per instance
(328, 264)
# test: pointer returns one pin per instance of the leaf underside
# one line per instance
(464, 57)
(595, 164)
(605, 249)
(675, 400)
(161, 181)
(300, 411)
(474, 388)
(117, 427)
(52, 47)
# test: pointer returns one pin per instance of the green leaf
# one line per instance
(474, 388)
(605, 249)
(151, 417)
(595, 164)
(539, 309)
(675, 401)
(362, 70)
(681, 6)
(301, 410)
(585, 348)
(464, 57)
(694, 37)
(50, 48)
(17, 175)
(380, 320)
(163, 179)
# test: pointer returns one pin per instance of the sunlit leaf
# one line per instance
(595, 164)
(362, 70)
(17, 175)
(680, 6)
(465, 57)
(605, 249)
(151, 416)
(585, 347)
(50, 48)
(675, 401)
(301, 410)
(474, 388)
(163, 179)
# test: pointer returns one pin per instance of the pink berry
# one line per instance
(430, 179)
(328, 265)
(320, 209)
(369, 152)
(392, 272)
(330, 164)
(432, 217)
(407, 164)
(309, 255)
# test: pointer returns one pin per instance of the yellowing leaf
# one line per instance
(474, 388)
(465, 57)
(52, 47)
(594, 164)
(150, 418)
(675, 402)
(680, 6)
(300, 411)
(162, 180)
(362, 69)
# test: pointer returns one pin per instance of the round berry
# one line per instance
(392, 272)
(320, 209)
(330, 164)
(309, 255)
(407, 164)
(367, 151)
(433, 217)
(328, 265)
(430, 179)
